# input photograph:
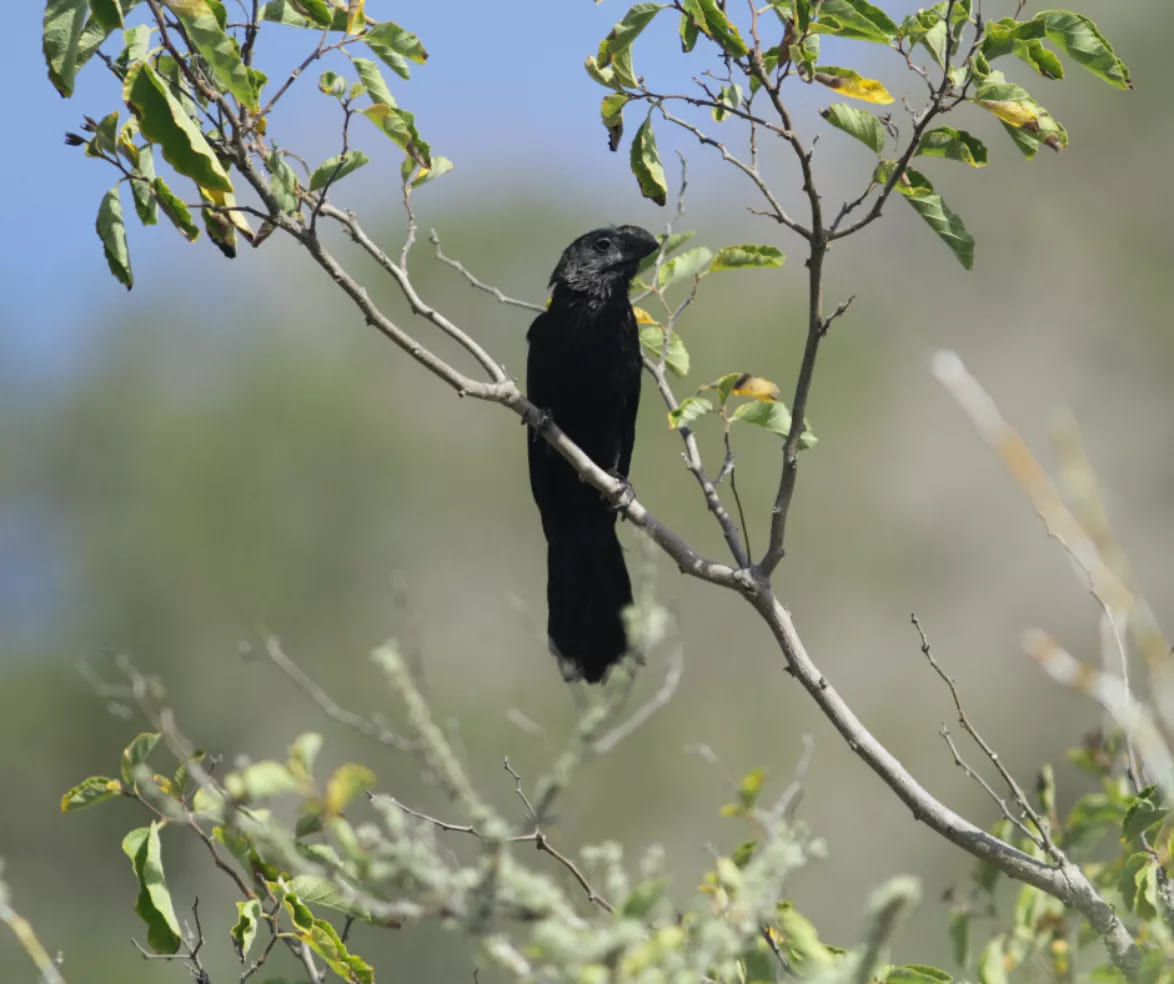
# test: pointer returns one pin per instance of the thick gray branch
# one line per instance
(1064, 881)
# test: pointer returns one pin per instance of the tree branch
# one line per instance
(1064, 881)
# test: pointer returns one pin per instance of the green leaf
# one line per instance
(373, 81)
(803, 15)
(208, 802)
(916, 189)
(642, 898)
(946, 223)
(691, 408)
(183, 771)
(336, 168)
(1137, 884)
(400, 126)
(89, 791)
(1142, 815)
(646, 166)
(957, 145)
(153, 905)
(1081, 40)
(136, 754)
(917, 974)
(804, 56)
(730, 97)
(687, 265)
(802, 941)
(285, 182)
(622, 36)
(1001, 36)
(318, 14)
(750, 787)
(668, 246)
(220, 51)
(262, 780)
(677, 360)
(858, 122)
(711, 21)
(331, 83)
(744, 853)
(163, 121)
(605, 75)
(990, 963)
(724, 385)
(856, 20)
(746, 256)
(774, 417)
(105, 137)
(395, 47)
(324, 940)
(248, 915)
(142, 189)
(960, 937)
(175, 209)
(136, 43)
(1016, 107)
(112, 232)
(611, 111)
(688, 31)
(302, 753)
(440, 165)
(316, 890)
(107, 14)
(1040, 58)
(1092, 817)
(61, 34)
(929, 29)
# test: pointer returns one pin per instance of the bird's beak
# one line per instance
(638, 242)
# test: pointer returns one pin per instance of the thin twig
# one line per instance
(1043, 839)
(593, 896)
(607, 742)
(530, 811)
(496, 292)
(840, 311)
(777, 212)
(357, 722)
(456, 828)
(988, 789)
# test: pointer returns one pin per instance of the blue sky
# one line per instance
(504, 94)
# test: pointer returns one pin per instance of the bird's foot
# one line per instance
(623, 497)
(539, 419)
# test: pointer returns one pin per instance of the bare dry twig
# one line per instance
(1042, 836)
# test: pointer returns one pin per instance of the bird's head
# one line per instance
(602, 261)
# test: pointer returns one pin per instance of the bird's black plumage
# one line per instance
(584, 370)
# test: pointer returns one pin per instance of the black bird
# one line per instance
(584, 370)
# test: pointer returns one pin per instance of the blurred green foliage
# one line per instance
(237, 456)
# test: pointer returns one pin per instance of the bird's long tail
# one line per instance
(587, 587)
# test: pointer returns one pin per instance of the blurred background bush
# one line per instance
(228, 451)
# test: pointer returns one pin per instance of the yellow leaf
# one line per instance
(348, 781)
(354, 16)
(227, 201)
(643, 317)
(1014, 113)
(756, 387)
(190, 8)
(849, 83)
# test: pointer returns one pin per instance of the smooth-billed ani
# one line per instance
(584, 370)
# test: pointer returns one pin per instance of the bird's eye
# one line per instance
(602, 245)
